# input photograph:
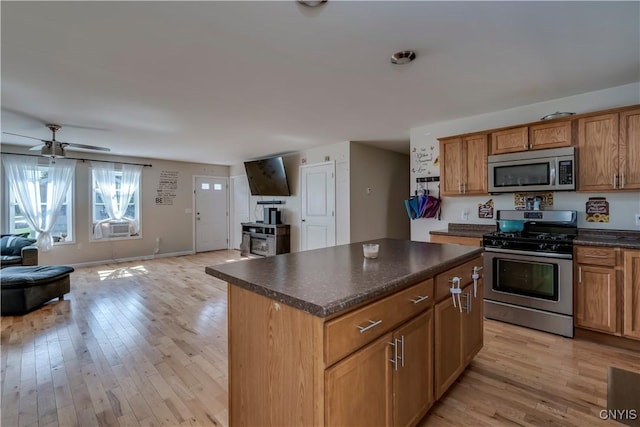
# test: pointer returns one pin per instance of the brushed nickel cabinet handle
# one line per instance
(595, 256)
(615, 180)
(622, 181)
(372, 324)
(420, 299)
(395, 354)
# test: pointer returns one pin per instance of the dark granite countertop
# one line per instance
(466, 230)
(326, 281)
(610, 238)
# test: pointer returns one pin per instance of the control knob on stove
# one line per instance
(542, 246)
(554, 247)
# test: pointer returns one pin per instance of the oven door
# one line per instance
(540, 281)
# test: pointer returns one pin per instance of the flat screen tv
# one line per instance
(267, 177)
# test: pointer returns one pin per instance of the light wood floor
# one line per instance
(145, 344)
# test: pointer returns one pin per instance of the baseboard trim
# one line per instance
(603, 338)
(130, 259)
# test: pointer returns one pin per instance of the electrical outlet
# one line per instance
(637, 219)
(464, 215)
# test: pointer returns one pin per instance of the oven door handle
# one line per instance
(529, 253)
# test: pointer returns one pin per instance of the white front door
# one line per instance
(239, 208)
(318, 200)
(211, 213)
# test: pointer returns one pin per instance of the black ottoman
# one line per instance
(27, 288)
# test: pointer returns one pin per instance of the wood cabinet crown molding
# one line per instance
(540, 122)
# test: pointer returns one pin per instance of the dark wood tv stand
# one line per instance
(265, 239)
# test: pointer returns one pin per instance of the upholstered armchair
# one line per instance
(18, 250)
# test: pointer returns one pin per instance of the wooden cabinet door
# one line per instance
(358, 390)
(595, 298)
(472, 322)
(449, 360)
(630, 149)
(598, 153)
(631, 313)
(550, 135)
(413, 379)
(451, 167)
(474, 150)
(510, 140)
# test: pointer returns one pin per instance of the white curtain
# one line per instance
(24, 178)
(115, 202)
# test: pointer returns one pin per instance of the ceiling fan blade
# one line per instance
(37, 147)
(83, 146)
(23, 136)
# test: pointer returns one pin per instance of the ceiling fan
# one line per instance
(53, 148)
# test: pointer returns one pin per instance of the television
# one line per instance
(267, 177)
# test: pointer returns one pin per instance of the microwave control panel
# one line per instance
(565, 172)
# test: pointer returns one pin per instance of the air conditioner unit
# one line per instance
(119, 229)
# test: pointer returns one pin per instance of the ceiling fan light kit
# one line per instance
(54, 148)
(403, 57)
(312, 3)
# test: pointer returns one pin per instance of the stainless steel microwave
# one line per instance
(541, 170)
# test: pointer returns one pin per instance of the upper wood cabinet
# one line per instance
(550, 135)
(629, 149)
(609, 151)
(535, 137)
(510, 140)
(464, 165)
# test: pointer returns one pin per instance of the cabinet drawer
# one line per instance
(347, 333)
(464, 271)
(596, 255)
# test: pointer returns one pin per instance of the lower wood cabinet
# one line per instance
(396, 374)
(359, 389)
(631, 314)
(607, 290)
(454, 351)
(381, 364)
(458, 240)
(596, 294)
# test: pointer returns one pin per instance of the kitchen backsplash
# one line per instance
(622, 207)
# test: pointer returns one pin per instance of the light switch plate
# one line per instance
(637, 220)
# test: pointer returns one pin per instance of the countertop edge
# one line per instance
(350, 302)
(628, 239)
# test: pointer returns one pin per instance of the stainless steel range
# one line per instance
(529, 274)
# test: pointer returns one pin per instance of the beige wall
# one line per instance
(378, 189)
(172, 224)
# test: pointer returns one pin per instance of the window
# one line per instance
(115, 201)
(62, 230)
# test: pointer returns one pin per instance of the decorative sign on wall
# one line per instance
(167, 188)
(423, 159)
(485, 210)
(520, 200)
(597, 209)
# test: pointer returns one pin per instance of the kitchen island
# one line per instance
(327, 337)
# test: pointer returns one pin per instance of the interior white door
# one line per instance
(318, 200)
(240, 197)
(211, 213)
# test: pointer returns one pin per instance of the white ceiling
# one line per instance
(222, 82)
